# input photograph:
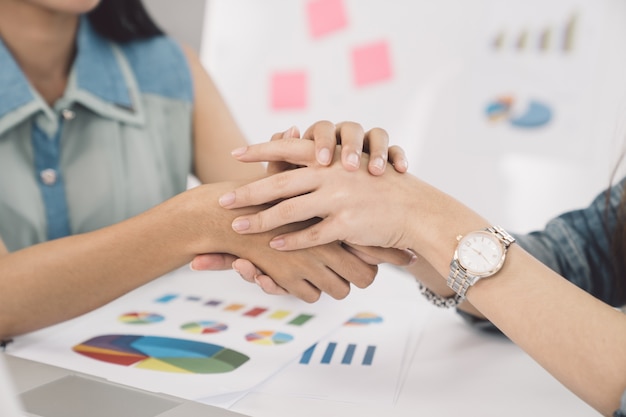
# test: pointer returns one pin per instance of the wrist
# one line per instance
(198, 224)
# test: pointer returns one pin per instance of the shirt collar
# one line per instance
(97, 68)
(100, 79)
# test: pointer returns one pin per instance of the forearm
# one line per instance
(215, 132)
(554, 321)
(578, 339)
(64, 278)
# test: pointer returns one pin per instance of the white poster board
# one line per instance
(427, 71)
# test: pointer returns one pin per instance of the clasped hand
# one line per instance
(342, 262)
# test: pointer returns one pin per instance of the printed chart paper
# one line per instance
(188, 334)
(361, 362)
(365, 360)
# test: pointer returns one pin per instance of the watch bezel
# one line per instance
(461, 279)
(491, 237)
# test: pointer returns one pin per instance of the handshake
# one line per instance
(310, 227)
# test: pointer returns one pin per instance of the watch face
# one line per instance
(480, 253)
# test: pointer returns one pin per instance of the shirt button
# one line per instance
(48, 176)
(68, 114)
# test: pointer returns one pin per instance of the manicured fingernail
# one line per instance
(413, 259)
(277, 243)
(235, 268)
(323, 156)
(379, 163)
(227, 199)
(403, 163)
(239, 151)
(241, 225)
(191, 266)
(353, 159)
(290, 132)
(256, 280)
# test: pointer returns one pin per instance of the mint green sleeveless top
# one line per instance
(117, 143)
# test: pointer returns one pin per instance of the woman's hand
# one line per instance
(353, 139)
(329, 268)
(355, 207)
(326, 136)
(369, 255)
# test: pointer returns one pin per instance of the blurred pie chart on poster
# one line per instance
(523, 114)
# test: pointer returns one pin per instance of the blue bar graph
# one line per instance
(369, 355)
(330, 350)
(306, 356)
(347, 357)
(166, 298)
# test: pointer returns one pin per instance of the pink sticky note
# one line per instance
(289, 90)
(326, 16)
(371, 63)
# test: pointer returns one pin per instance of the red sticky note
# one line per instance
(371, 63)
(289, 90)
(326, 16)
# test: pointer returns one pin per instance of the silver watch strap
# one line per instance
(458, 279)
(506, 238)
(439, 301)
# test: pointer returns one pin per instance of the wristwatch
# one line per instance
(478, 255)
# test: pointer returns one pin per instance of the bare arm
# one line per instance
(577, 338)
(215, 132)
(61, 279)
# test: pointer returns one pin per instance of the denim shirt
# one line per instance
(118, 141)
(577, 245)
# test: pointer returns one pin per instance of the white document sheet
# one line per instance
(364, 361)
(188, 334)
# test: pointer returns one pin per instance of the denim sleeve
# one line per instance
(577, 245)
(621, 412)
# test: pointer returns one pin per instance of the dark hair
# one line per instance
(123, 20)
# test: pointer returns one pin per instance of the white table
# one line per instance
(456, 370)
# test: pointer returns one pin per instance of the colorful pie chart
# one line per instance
(162, 354)
(363, 319)
(536, 114)
(204, 327)
(268, 337)
(141, 318)
(499, 108)
(532, 115)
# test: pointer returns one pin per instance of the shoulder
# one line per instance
(206, 92)
(161, 67)
(201, 79)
